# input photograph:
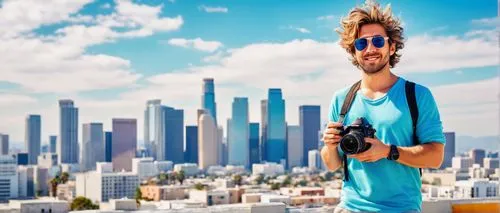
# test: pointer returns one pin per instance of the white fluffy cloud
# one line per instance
(59, 63)
(213, 9)
(197, 43)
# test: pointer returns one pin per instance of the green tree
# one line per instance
(303, 183)
(275, 186)
(287, 181)
(53, 185)
(82, 203)
(199, 186)
(329, 176)
(64, 177)
(237, 179)
(172, 177)
(138, 196)
(163, 178)
(259, 179)
(181, 176)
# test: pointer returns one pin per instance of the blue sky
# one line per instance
(112, 56)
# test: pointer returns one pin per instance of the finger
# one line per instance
(334, 124)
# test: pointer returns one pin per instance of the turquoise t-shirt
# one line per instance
(384, 185)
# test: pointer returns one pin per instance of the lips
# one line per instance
(371, 58)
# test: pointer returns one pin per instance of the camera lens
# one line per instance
(351, 143)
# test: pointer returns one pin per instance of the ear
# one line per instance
(392, 49)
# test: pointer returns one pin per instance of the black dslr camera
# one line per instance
(352, 141)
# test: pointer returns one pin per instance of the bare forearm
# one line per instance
(331, 158)
(429, 155)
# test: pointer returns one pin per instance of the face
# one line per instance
(372, 59)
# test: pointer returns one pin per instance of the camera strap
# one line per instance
(412, 104)
(345, 108)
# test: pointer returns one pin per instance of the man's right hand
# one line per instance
(331, 136)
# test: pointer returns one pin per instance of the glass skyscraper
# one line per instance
(67, 146)
(33, 139)
(191, 153)
(239, 137)
(170, 144)
(254, 144)
(276, 127)
(53, 143)
(310, 124)
(208, 98)
(108, 141)
(152, 119)
(93, 146)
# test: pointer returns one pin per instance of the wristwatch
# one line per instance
(393, 153)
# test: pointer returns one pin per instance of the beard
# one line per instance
(375, 68)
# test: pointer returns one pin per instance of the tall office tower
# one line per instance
(449, 149)
(53, 144)
(67, 146)
(33, 139)
(93, 146)
(239, 137)
(276, 127)
(108, 144)
(124, 143)
(263, 130)
(170, 144)
(4, 144)
(152, 122)
(191, 153)
(208, 99)
(310, 124)
(207, 142)
(295, 146)
(253, 143)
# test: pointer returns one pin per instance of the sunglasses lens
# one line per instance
(360, 43)
(378, 41)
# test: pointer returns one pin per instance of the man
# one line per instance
(385, 178)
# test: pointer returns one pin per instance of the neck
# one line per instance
(378, 82)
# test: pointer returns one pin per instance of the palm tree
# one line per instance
(64, 177)
(181, 176)
(237, 180)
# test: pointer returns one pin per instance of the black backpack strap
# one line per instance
(345, 108)
(412, 104)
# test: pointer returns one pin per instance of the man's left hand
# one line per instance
(377, 151)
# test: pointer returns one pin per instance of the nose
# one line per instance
(370, 48)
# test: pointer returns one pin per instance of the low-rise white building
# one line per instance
(190, 169)
(103, 186)
(476, 188)
(269, 169)
(144, 168)
(211, 197)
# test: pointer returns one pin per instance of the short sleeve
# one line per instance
(429, 125)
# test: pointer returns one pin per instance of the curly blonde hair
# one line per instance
(371, 13)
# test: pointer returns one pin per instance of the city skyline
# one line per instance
(297, 52)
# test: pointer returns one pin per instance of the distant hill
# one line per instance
(465, 143)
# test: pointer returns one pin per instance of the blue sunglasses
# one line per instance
(377, 41)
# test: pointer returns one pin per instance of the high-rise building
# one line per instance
(191, 153)
(53, 144)
(263, 130)
(152, 122)
(33, 139)
(93, 146)
(310, 124)
(477, 156)
(220, 146)
(67, 146)
(4, 144)
(8, 178)
(449, 149)
(294, 140)
(170, 143)
(207, 142)
(238, 140)
(124, 143)
(314, 159)
(276, 127)
(491, 163)
(208, 99)
(108, 144)
(254, 143)
(22, 158)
